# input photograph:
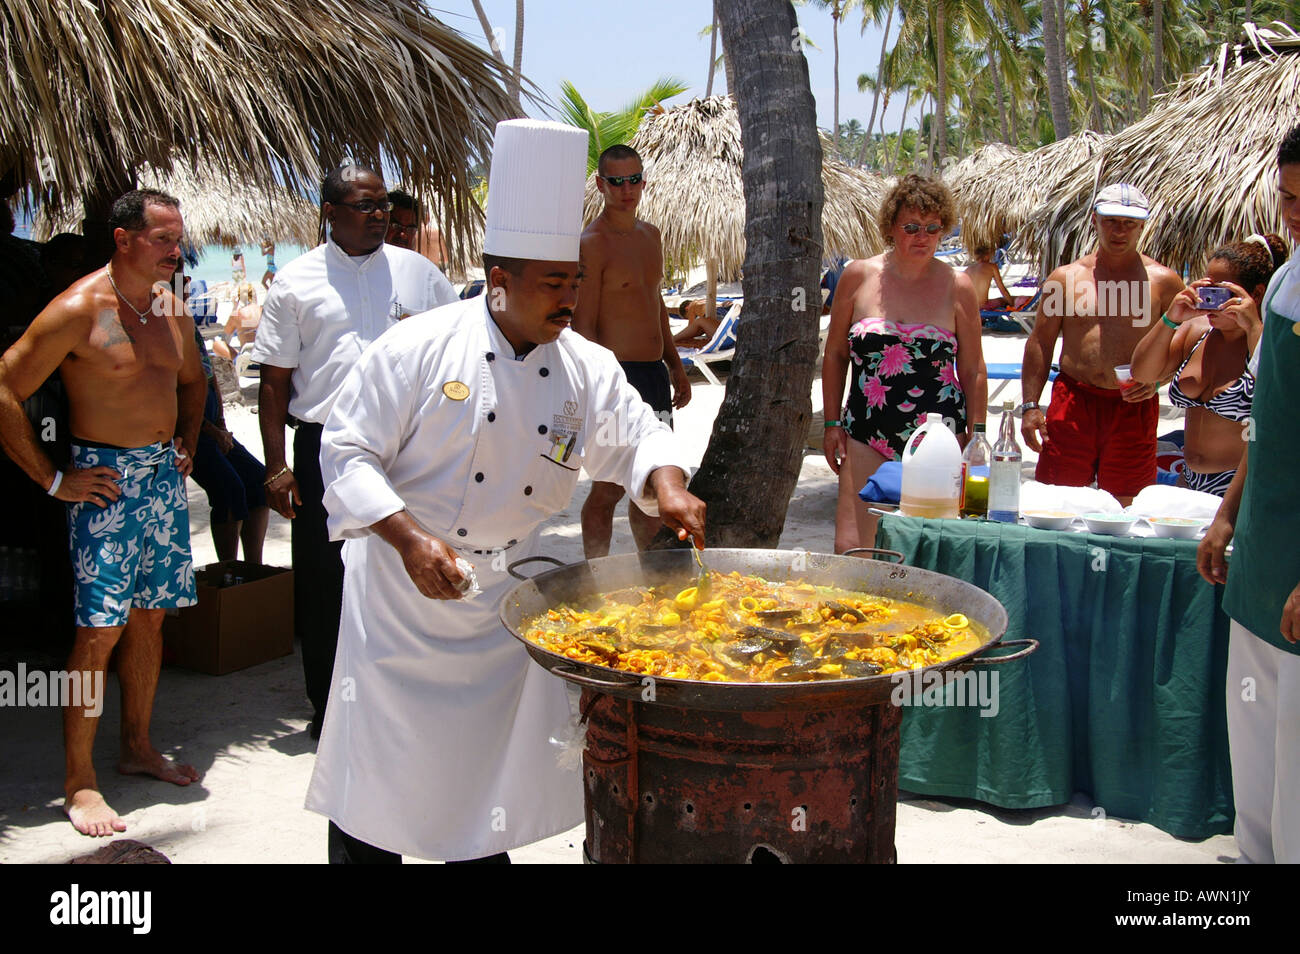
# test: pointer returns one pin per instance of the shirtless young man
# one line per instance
(1104, 303)
(125, 348)
(620, 307)
(982, 274)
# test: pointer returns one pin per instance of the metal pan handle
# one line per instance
(1031, 646)
(565, 671)
(519, 576)
(876, 550)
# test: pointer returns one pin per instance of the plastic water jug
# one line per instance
(931, 471)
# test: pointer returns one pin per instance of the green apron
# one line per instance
(1265, 564)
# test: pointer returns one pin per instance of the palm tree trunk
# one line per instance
(929, 155)
(835, 40)
(998, 92)
(902, 125)
(713, 51)
(488, 33)
(519, 56)
(941, 94)
(776, 348)
(875, 99)
(1158, 46)
(1055, 83)
(1015, 126)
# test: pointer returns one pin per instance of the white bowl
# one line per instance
(1180, 528)
(1049, 519)
(1115, 524)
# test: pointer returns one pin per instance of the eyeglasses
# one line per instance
(635, 179)
(368, 206)
(395, 226)
(934, 228)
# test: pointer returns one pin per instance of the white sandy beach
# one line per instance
(246, 733)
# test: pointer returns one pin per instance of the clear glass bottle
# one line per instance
(1004, 474)
(975, 475)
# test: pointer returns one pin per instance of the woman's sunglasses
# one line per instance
(635, 179)
(934, 228)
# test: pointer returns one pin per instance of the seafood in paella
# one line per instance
(734, 628)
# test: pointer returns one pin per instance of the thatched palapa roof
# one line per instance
(1205, 156)
(275, 90)
(998, 197)
(218, 209)
(958, 171)
(694, 194)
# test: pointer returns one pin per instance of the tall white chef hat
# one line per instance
(535, 191)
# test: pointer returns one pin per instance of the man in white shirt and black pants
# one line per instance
(323, 309)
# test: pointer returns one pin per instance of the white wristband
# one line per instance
(54, 487)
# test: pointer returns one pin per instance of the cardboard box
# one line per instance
(236, 626)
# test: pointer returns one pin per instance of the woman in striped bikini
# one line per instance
(1207, 353)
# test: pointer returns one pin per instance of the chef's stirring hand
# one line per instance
(679, 509)
(430, 563)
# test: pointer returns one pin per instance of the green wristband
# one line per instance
(1171, 324)
(829, 424)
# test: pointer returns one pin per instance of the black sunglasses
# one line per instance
(368, 207)
(635, 179)
(934, 228)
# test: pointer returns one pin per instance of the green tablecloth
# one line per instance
(1124, 699)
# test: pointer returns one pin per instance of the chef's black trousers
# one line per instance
(317, 573)
(346, 850)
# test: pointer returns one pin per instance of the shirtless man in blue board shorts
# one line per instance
(620, 307)
(125, 348)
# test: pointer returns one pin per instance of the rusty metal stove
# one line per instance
(741, 772)
(669, 784)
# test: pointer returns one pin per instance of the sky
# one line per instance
(613, 50)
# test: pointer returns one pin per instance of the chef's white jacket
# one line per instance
(325, 307)
(440, 738)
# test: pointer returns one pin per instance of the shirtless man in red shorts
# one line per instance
(1104, 303)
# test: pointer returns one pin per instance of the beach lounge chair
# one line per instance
(721, 347)
(1005, 374)
(1018, 319)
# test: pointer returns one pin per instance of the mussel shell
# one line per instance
(750, 645)
(779, 614)
(860, 667)
(787, 641)
(840, 610)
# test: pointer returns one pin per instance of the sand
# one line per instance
(246, 732)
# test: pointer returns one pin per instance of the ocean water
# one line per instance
(214, 262)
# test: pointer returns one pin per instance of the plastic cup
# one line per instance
(1124, 375)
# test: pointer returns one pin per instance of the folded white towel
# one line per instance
(1160, 500)
(1077, 500)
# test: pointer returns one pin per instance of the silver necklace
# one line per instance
(142, 315)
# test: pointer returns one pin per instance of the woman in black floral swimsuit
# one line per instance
(905, 330)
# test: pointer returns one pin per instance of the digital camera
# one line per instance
(1212, 297)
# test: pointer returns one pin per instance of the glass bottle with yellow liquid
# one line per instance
(975, 475)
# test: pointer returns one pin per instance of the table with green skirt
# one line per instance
(1124, 699)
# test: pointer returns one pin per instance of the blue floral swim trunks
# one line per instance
(135, 551)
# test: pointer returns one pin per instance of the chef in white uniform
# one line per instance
(458, 432)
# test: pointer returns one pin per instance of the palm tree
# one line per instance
(838, 10)
(1052, 29)
(871, 10)
(609, 129)
(713, 50)
(495, 47)
(776, 350)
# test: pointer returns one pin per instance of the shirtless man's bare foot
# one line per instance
(91, 815)
(152, 762)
